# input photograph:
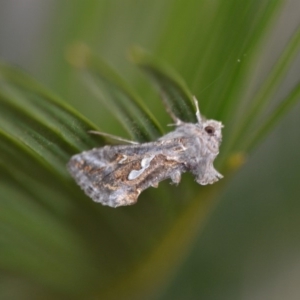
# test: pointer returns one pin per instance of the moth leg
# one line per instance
(210, 176)
(154, 184)
(124, 199)
(114, 137)
(176, 177)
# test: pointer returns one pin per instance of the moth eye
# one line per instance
(210, 130)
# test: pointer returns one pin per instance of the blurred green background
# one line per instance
(167, 246)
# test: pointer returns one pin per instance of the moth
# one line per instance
(116, 175)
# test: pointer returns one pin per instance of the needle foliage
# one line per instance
(56, 243)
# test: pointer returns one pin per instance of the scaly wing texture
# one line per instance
(116, 175)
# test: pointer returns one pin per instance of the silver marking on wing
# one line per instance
(145, 163)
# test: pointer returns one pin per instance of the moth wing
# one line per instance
(92, 170)
(116, 175)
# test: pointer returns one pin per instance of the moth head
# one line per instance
(213, 130)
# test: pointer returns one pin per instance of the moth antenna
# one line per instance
(117, 138)
(177, 121)
(198, 115)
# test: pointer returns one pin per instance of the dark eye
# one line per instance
(210, 130)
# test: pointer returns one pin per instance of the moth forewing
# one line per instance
(116, 175)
